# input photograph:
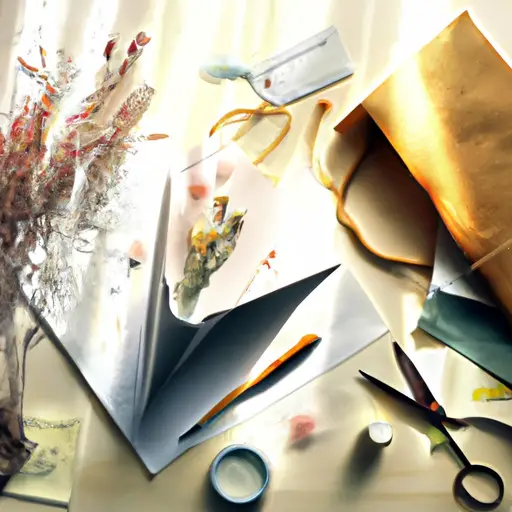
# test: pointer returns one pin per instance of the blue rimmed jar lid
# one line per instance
(240, 473)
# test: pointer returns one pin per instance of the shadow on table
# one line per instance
(491, 426)
(363, 464)
(214, 503)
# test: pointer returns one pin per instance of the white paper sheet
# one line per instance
(296, 219)
(308, 228)
(338, 310)
(341, 314)
(247, 189)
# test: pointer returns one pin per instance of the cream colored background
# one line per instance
(331, 474)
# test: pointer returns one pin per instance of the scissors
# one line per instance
(425, 402)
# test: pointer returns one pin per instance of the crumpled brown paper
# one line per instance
(447, 112)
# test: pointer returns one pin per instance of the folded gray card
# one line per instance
(460, 312)
(158, 375)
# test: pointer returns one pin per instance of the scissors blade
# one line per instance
(433, 417)
(396, 394)
(419, 388)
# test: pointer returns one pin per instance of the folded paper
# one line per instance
(441, 120)
(305, 342)
(447, 113)
(348, 324)
(401, 224)
(460, 311)
(158, 374)
(451, 124)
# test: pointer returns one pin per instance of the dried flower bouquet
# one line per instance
(61, 165)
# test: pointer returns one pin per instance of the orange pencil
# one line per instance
(305, 341)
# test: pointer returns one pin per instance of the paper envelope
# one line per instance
(432, 141)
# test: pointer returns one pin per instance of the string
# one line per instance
(243, 115)
(495, 252)
(340, 193)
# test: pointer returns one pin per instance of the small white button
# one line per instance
(381, 432)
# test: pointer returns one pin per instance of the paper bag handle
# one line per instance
(339, 191)
(246, 114)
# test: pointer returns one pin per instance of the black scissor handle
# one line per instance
(465, 499)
